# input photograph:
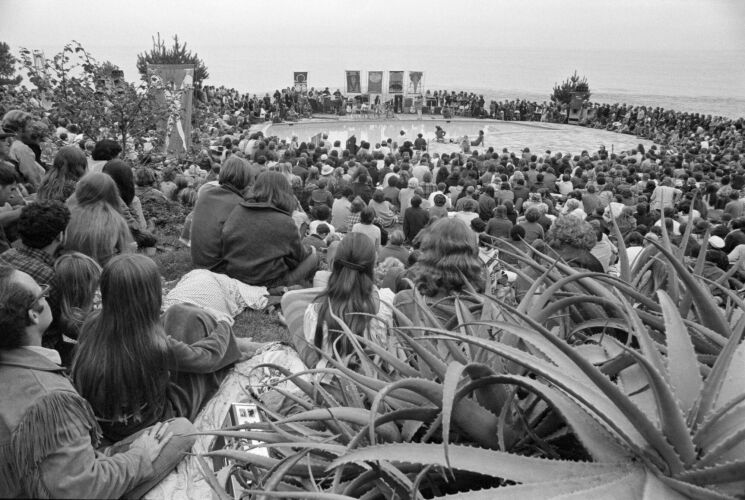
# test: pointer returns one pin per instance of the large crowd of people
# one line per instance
(361, 225)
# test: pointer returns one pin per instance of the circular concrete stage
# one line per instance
(514, 136)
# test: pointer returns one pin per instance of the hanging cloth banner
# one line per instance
(374, 82)
(415, 82)
(301, 81)
(175, 84)
(396, 82)
(353, 82)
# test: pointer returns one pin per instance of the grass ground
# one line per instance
(174, 260)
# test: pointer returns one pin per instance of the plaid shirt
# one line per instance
(36, 263)
(428, 188)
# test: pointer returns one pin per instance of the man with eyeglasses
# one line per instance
(48, 432)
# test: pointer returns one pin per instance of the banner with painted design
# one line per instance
(415, 82)
(175, 83)
(353, 82)
(396, 82)
(374, 82)
(301, 81)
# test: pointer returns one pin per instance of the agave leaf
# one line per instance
(672, 282)
(209, 476)
(635, 385)
(540, 491)
(724, 420)
(597, 439)
(358, 416)
(623, 258)
(530, 296)
(684, 376)
(648, 347)
(400, 367)
(431, 359)
(493, 397)
(263, 462)
(709, 314)
(275, 476)
(449, 386)
(475, 421)
(672, 419)
(309, 495)
(718, 474)
(611, 404)
(481, 461)
(730, 448)
(720, 372)
(688, 490)
(698, 268)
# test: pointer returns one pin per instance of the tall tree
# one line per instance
(175, 54)
(572, 86)
(94, 96)
(8, 66)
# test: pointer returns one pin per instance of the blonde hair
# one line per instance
(98, 231)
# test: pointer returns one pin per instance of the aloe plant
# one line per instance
(532, 401)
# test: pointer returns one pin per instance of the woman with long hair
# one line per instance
(260, 242)
(96, 227)
(351, 296)
(68, 167)
(130, 206)
(77, 277)
(448, 265)
(136, 369)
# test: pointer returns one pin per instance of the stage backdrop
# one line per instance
(176, 82)
(396, 82)
(353, 82)
(301, 81)
(374, 82)
(415, 82)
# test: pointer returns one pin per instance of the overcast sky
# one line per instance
(118, 30)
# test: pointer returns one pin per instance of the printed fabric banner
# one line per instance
(374, 82)
(353, 82)
(415, 82)
(301, 81)
(176, 82)
(396, 82)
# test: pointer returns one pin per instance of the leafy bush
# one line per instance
(574, 85)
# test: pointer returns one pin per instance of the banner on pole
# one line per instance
(353, 82)
(374, 82)
(301, 81)
(415, 82)
(396, 82)
(176, 84)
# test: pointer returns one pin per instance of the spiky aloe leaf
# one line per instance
(718, 474)
(726, 449)
(719, 372)
(623, 258)
(481, 461)
(684, 376)
(709, 314)
(263, 462)
(603, 444)
(358, 416)
(309, 495)
(603, 398)
(720, 423)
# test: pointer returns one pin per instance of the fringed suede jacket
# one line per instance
(48, 436)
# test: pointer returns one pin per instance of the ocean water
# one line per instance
(702, 82)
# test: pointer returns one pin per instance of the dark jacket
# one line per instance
(415, 218)
(260, 244)
(213, 207)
